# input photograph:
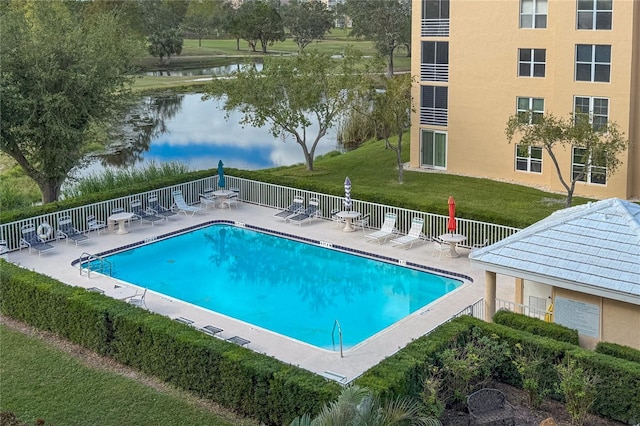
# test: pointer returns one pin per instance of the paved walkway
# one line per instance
(356, 360)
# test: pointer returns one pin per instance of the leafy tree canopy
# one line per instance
(307, 21)
(202, 17)
(387, 23)
(64, 72)
(599, 146)
(292, 93)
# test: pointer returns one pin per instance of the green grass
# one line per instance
(42, 382)
(373, 173)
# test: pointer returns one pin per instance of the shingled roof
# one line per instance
(592, 248)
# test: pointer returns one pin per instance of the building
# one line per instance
(481, 61)
(579, 267)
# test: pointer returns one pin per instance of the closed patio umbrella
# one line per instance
(451, 224)
(347, 194)
(220, 174)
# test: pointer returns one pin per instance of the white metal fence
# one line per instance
(268, 195)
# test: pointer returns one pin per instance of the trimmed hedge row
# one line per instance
(403, 373)
(244, 381)
(618, 351)
(536, 326)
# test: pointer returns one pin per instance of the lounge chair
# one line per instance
(149, 216)
(154, 205)
(296, 207)
(31, 240)
(386, 230)
(211, 330)
(413, 236)
(95, 225)
(67, 231)
(308, 214)
(238, 340)
(181, 205)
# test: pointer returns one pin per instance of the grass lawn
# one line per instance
(40, 381)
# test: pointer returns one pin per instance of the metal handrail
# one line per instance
(333, 340)
(88, 258)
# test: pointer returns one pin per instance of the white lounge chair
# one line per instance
(154, 205)
(67, 231)
(148, 215)
(415, 235)
(387, 229)
(296, 207)
(181, 205)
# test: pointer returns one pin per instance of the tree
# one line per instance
(63, 74)
(162, 22)
(358, 406)
(391, 113)
(598, 147)
(387, 23)
(260, 21)
(165, 43)
(307, 21)
(201, 17)
(290, 92)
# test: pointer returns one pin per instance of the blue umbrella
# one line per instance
(220, 174)
(347, 194)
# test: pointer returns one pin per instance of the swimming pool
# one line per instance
(288, 287)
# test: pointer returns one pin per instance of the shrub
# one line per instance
(536, 326)
(619, 351)
(578, 385)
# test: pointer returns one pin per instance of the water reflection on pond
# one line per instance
(217, 71)
(193, 131)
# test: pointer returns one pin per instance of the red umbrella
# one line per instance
(451, 224)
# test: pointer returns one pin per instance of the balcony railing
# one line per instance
(434, 116)
(434, 72)
(435, 28)
(267, 195)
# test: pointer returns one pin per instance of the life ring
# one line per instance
(44, 230)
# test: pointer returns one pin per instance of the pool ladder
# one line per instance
(102, 264)
(333, 336)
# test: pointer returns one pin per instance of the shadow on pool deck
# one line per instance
(356, 360)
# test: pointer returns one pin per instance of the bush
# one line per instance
(536, 326)
(619, 351)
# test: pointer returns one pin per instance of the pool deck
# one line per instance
(356, 360)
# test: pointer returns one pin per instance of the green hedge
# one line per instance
(536, 326)
(619, 351)
(242, 380)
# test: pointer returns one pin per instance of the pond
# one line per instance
(185, 128)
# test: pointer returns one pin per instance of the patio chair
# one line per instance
(149, 216)
(138, 299)
(95, 225)
(296, 207)
(363, 222)
(117, 210)
(67, 231)
(231, 200)
(181, 205)
(308, 214)
(440, 246)
(31, 240)
(413, 236)
(207, 199)
(387, 229)
(337, 219)
(154, 205)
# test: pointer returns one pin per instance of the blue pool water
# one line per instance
(291, 288)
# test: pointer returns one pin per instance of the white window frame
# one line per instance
(590, 175)
(594, 108)
(539, 9)
(529, 160)
(530, 108)
(593, 63)
(593, 12)
(532, 63)
(446, 149)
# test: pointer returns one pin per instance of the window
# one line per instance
(533, 13)
(433, 105)
(531, 62)
(530, 109)
(435, 61)
(433, 148)
(597, 108)
(587, 169)
(529, 158)
(435, 18)
(593, 62)
(595, 14)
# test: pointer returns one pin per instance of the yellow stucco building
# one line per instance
(477, 62)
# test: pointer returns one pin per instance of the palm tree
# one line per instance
(357, 406)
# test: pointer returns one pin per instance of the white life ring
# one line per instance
(44, 230)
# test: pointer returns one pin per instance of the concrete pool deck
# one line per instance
(356, 360)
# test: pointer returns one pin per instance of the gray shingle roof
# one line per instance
(595, 246)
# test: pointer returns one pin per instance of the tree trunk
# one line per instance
(199, 41)
(390, 67)
(237, 43)
(50, 191)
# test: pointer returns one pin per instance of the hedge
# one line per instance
(536, 326)
(244, 381)
(618, 351)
